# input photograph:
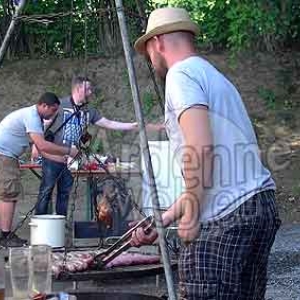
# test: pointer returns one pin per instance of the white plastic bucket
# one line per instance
(47, 230)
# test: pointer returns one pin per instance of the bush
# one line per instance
(233, 24)
(243, 24)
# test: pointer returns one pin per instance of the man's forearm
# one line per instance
(54, 149)
(123, 126)
(197, 169)
(174, 212)
(109, 124)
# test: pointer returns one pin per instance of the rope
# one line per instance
(50, 18)
(85, 42)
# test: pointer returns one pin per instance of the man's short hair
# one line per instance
(78, 80)
(49, 99)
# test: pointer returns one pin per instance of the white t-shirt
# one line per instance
(14, 130)
(238, 173)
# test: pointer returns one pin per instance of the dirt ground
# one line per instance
(269, 86)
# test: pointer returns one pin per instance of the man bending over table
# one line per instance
(16, 131)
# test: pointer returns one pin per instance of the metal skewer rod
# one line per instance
(127, 235)
(145, 149)
(111, 253)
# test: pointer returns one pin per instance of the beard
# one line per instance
(160, 66)
(85, 99)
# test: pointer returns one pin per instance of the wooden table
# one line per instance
(91, 176)
(112, 169)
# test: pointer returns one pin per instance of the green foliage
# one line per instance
(148, 103)
(97, 146)
(125, 78)
(268, 96)
(51, 38)
(296, 190)
(244, 24)
(97, 101)
(233, 24)
(117, 134)
(56, 89)
(281, 98)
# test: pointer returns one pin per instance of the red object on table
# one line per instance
(30, 166)
(93, 166)
(88, 173)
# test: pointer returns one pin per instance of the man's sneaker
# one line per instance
(12, 241)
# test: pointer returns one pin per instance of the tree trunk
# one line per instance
(69, 37)
(141, 10)
(107, 34)
(5, 20)
(101, 27)
(10, 30)
(114, 29)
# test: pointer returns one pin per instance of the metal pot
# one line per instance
(47, 230)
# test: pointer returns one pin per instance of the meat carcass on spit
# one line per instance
(105, 211)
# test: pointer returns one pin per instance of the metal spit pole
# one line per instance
(11, 29)
(145, 149)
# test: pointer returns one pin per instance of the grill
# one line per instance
(116, 273)
(113, 296)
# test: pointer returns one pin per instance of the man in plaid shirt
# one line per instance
(226, 216)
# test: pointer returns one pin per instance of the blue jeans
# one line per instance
(54, 173)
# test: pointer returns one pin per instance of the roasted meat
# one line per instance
(105, 211)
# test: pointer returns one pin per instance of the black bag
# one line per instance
(85, 137)
(49, 136)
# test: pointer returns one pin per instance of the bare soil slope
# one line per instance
(270, 87)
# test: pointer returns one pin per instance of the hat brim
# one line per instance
(140, 44)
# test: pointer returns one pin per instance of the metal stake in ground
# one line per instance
(145, 149)
(11, 29)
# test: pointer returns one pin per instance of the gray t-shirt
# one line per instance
(14, 130)
(71, 132)
(238, 173)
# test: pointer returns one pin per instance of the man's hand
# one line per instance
(189, 222)
(73, 152)
(188, 229)
(140, 237)
(34, 153)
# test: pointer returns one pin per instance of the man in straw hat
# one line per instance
(226, 216)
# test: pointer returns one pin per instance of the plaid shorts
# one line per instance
(229, 259)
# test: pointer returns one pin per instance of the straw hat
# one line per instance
(166, 20)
